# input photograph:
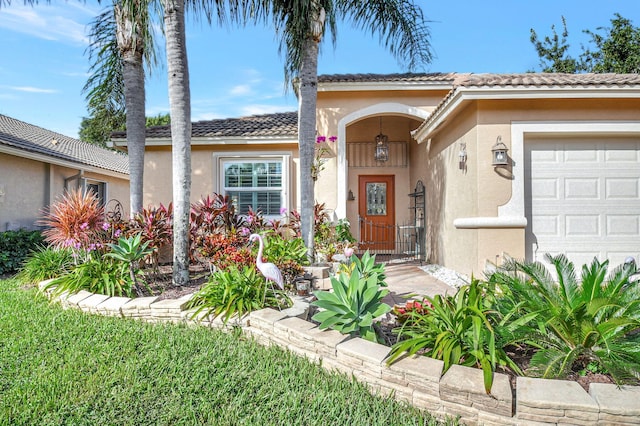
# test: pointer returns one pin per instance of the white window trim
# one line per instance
(284, 156)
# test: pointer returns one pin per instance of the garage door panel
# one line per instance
(583, 199)
(626, 226)
(545, 189)
(582, 188)
(622, 188)
(582, 225)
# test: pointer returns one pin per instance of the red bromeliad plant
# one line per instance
(155, 227)
(76, 222)
(411, 308)
(224, 251)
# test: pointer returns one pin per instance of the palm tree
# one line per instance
(121, 43)
(301, 25)
(180, 111)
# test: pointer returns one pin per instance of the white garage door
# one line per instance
(583, 198)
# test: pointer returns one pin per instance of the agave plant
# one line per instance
(355, 302)
(130, 251)
(573, 322)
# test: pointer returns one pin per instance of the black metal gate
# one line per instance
(408, 238)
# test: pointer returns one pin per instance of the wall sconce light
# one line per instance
(462, 156)
(382, 146)
(351, 197)
(499, 152)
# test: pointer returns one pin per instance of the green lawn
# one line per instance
(68, 367)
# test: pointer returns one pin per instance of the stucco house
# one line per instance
(38, 165)
(471, 167)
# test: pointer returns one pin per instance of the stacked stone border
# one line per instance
(416, 380)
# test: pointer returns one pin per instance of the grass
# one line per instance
(67, 367)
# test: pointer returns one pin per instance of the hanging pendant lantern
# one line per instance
(382, 146)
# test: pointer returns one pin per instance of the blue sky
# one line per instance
(238, 71)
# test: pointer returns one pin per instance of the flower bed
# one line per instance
(417, 380)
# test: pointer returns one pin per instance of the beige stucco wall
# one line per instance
(482, 189)
(29, 186)
(158, 174)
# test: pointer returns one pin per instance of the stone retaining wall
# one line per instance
(417, 380)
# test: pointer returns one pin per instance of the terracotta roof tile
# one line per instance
(18, 134)
(267, 125)
(546, 79)
(437, 77)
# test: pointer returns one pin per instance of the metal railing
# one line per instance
(389, 242)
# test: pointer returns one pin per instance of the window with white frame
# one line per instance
(257, 183)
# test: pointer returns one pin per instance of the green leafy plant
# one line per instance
(572, 321)
(15, 246)
(46, 263)
(365, 266)
(131, 251)
(235, 292)
(343, 231)
(100, 276)
(355, 302)
(462, 329)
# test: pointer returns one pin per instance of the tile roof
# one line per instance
(545, 79)
(532, 81)
(27, 137)
(281, 124)
(437, 77)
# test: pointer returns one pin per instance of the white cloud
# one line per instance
(258, 109)
(30, 89)
(241, 90)
(65, 24)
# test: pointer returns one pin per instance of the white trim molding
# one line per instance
(385, 108)
(284, 156)
(490, 222)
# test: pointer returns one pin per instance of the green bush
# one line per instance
(15, 247)
(462, 329)
(234, 292)
(355, 302)
(46, 263)
(573, 323)
(96, 275)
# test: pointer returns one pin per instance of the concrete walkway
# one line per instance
(409, 281)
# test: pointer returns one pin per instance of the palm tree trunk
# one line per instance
(307, 99)
(180, 109)
(134, 95)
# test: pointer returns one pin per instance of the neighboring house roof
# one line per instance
(283, 124)
(528, 86)
(57, 148)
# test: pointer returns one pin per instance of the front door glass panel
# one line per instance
(376, 198)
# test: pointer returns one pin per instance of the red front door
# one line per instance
(376, 208)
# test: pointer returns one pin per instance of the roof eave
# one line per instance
(463, 95)
(30, 155)
(217, 140)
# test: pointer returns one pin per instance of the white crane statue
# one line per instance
(268, 269)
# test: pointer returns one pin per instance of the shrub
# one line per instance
(46, 263)
(130, 251)
(355, 302)
(100, 276)
(15, 246)
(572, 322)
(155, 226)
(235, 292)
(462, 329)
(75, 221)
